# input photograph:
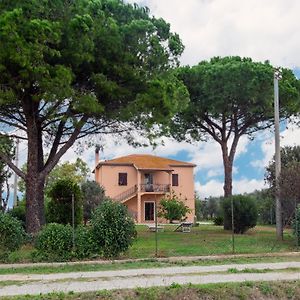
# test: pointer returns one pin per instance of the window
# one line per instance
(122, 178)
(174, 179)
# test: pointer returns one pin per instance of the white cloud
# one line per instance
(263, 30)
(214, 187)
(290, 136)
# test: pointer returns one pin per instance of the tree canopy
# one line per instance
(231, 97)
(69, 69)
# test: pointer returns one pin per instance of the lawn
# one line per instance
(203, 240)
(208, 240)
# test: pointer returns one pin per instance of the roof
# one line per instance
(146, 162)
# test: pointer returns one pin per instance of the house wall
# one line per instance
(186, 189)
(132, 207)
(109, 178)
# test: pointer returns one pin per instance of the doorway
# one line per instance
(149, 211)
(149, 182)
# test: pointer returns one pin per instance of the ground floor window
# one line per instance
(149, 211)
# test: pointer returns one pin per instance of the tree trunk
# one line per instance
(35, 180)
(228, 164)
(35, 216)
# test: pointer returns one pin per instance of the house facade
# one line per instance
(141, 181)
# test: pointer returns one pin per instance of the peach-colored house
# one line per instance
(140, 181)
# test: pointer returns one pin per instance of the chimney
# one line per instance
(96, 163)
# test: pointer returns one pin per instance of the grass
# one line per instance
(208, 240)
(202, 240)
(222, 291)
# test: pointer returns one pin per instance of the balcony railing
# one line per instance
(162, 188)
(144, 188)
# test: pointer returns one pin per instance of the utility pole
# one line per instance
(279, 229)
(16, 176)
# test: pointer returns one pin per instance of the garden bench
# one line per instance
(152, 227)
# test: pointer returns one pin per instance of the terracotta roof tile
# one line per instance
(146, 161)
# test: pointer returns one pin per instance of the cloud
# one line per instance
(289, 136)
(214, 187)
(263, 30)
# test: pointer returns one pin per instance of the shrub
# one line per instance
(54, 241)
(85, 245)
(113, 228)
(12, 234)
(59, 208)
(19, 212)
(218, 221)
(244, 211)
(296, 225)
(172, 208)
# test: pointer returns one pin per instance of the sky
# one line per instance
(262, 30)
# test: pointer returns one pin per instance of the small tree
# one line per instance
(92, 194)
(288, 181)
(59, 208)
(244, 213)
(113, 228)
(173, 208)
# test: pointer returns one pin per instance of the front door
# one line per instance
(149, 182)
(149, 211)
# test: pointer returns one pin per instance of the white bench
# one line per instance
(153, 228)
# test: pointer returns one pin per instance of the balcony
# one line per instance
(155, 188)
(144, 188)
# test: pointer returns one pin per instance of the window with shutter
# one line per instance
(122, 178)
(174, 179)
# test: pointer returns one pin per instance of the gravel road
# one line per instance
(94, 281)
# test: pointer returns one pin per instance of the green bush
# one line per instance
(218, 221)
(113, 228)
(296, 225)
(85, 245)
(172, 208)
(244, 211)
(59, 208)
(19, 212)
(12, 234)
(54, 242)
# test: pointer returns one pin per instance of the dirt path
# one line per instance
(169, 271)
(94, 281)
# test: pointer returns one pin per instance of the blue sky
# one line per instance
(262, 30)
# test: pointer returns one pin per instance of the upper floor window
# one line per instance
(174, 179)
(122, 178)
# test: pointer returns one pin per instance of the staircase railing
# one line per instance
(126, 194)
